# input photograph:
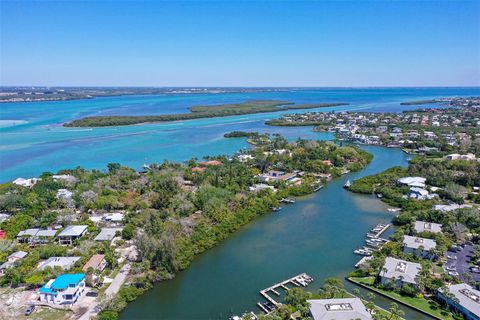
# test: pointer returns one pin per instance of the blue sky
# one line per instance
(240, 43)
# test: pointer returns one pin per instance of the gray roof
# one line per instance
(468, 297)
(18, 255)
(28, 232)
(107, 234)
(396, 268)
(73, 231)
(338, 309)
(417, 242)
(63, 262)
(46, 233)
(422, 226)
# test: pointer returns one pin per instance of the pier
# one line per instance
(301, 280)
(378, 230)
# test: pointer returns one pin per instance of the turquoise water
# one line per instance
(316, 235)
(32, 139)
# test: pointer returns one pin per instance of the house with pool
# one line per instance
(65, 289)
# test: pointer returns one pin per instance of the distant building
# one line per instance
(107, 234)
(65, 289)
(65, 263)
(71, 233)
(339, 309)
(27, 183)
(97, 262)
(413, 181)
(245, 157)
(422, 226)
(462, 298)
(418, 246)
(420, 194)
(399, 272)
(12, 260)
(64, 177)
(449, 207)
(456, 156)
(261, 186)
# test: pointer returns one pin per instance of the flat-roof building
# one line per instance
(399, 272)
(339, 309)
(462, 298)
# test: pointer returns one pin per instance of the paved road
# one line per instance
(118, 281)
(111, 291)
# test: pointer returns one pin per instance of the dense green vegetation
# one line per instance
(296, 306)
(172, 211)
(241, 134)
(198, 112)
(410, 103)
(453, 181)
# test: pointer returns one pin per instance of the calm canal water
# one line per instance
(316, 235)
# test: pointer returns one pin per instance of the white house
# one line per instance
(107, 234)
(71, 233)
(399, 272)
(418, 246)
(261, 186)
(449, 207)
(466, 299)
(456, 156)
(65, 289)
(27, 183)
(65, 263)
(339, 309)
(422, 226)
(12, 260)
(413, 181)
(420, 194)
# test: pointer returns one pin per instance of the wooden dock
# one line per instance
(375, 234)
(301, 280)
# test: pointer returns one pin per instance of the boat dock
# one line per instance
(301, 280)
(378, 230)
(373, 241)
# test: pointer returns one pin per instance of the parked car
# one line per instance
(92, 294)
(29, 309)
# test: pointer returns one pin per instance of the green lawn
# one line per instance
(427, 306)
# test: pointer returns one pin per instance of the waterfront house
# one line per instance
(274, 175)
(12, 261)
(64, 177)
(27, 183)
(422, 226)
(261, 186)
(107, 234)
(399, 272)
(245, 157)
(71, 233)
(420, 194)
(456, 156)
(338, 309)
(65, 263)
(461, 298)
(449, 207)
(418, 246)
(413, 181)
(65, 289)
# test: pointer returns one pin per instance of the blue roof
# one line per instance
(62, 282)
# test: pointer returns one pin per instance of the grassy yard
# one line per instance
(427, 306)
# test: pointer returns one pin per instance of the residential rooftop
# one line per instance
(339, 309)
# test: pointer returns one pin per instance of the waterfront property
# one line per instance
(461, 298)
(422, 226)
(65, 289)
(71, 233)
(338, 309)
(418, 182)
(399, 272)
(418, 246)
